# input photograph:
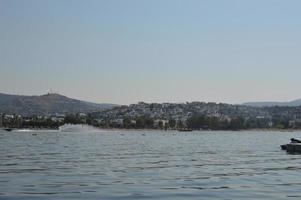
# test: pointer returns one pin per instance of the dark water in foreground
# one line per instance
(148, 165)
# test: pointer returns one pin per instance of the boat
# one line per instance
(293, 147)
(8, 129)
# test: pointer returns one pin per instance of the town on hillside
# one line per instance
(193, 115)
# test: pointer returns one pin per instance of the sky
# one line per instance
(126, 51)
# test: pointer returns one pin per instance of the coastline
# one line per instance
(153, 129)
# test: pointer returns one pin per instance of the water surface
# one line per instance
(148, 165)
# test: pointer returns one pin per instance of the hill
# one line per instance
(296, 102)
(198, 115)
(50, 103)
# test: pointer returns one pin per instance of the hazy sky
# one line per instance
(152, 50)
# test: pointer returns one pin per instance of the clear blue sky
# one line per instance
(125, 51)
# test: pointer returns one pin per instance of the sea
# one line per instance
(120, 164)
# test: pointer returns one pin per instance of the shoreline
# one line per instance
(163, 130)
(203, 130)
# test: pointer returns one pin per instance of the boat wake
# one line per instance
(77, 128)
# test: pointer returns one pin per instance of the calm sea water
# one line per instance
(148, 165)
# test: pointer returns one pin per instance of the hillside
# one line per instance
(198, 115)
(296, 102)
(46, 104)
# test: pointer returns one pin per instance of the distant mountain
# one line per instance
(270, 104)
(46, 104)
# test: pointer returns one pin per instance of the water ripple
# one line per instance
(148, 165)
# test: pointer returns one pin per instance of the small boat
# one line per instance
(293, 147)
(8, 129)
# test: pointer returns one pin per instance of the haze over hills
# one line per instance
(50, 103)
(296, 102)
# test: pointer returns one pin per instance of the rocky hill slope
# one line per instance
(46, 104)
